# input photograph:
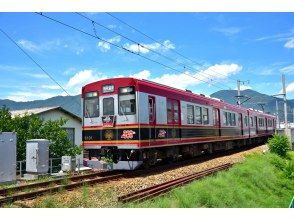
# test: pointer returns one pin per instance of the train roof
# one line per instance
(160, 89)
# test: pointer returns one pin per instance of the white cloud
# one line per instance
(24, 96)
(104, 46)
(229, 31)
(39, 75)
(81, 78)
(289, 44)
(28, 45)
(290, 88)
(37, 47)
(278, 37)
(54, 44)
(53, 87)
(145, 48)
(186, 79)
(288, 69)
(112, 26)
(180, 81)
(145, 74)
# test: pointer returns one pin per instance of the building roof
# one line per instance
(38, 111)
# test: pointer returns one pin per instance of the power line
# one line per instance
(35, 62)
(176, 52)
(143, 46)
(121, 47)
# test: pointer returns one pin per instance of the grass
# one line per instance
(260, 181)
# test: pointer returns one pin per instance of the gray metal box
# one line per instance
(37, 156)
(7, 157)
(68, 163)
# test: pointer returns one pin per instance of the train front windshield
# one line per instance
(91, 108)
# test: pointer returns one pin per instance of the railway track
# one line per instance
(30, 191)
(169, 185)
(12, 194)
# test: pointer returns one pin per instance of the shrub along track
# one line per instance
(105, 195)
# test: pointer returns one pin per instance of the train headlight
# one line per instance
(126, 90)
(108, 88)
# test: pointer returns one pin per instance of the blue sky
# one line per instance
(224, 47)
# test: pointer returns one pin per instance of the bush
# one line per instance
(33, 127)
(279, 144)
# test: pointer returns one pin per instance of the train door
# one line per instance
(240, 121)
(216, 121)
(152, 119)
(173, 119)
(256, 125)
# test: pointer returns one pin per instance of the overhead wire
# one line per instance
(185, 66)
(121, 47)
(173, 50)
(35, 62)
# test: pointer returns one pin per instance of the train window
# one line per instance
(190, 114)
(215, 116)
(233, 119)
(246, 121)
(169, 112)
(127, 101)
(91, 105)
(270, 123)
(251, 121)
(225, 117)
(261, 122)
(198, 115)
(108, 106)
(176, 112)
(205, 116)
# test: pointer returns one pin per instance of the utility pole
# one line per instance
(239, 91)
(285, 101)
(277, 113)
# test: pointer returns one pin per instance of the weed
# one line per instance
(260, 181)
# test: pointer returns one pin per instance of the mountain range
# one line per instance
(254, 99)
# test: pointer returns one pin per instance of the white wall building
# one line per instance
(73, 125)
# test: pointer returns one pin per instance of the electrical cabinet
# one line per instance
(7, 157)
(37, 156)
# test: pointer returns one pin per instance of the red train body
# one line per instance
(134, 122)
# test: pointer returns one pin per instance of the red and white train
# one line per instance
(134, 122)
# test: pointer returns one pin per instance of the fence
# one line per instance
(54, 166)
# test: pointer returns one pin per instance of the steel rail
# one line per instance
(5, 191)
(70, 186)
(167, 186)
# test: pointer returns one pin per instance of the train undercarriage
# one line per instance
(111, 157)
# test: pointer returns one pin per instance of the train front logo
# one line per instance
(128, 134)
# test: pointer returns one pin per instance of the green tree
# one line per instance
(33, 127)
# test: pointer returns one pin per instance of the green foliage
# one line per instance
(32, 127)
(107, 159)
(256, 182)
(279, 144)
(289, 169)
